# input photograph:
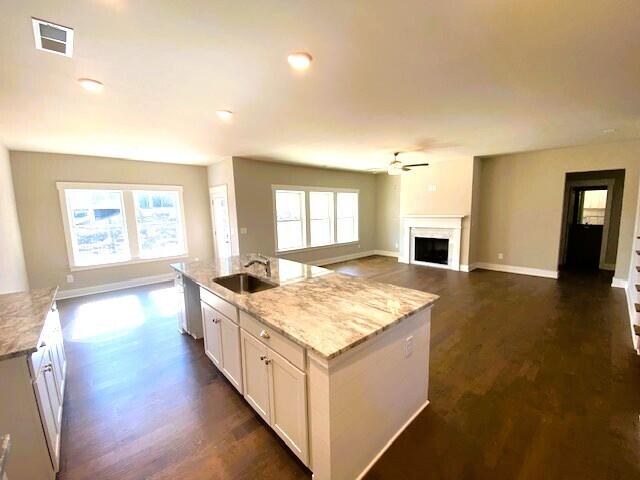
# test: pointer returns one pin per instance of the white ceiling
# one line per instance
(468, 77)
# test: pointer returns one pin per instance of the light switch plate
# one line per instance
(432, 188)
(408, 347)
(243, 230)
(69, 278)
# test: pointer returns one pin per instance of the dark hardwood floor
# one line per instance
(530, 378)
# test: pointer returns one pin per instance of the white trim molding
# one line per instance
(386, 253)
(535, 272)
(619, 282)
(111, 287)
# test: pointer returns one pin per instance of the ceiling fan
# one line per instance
(396, 167)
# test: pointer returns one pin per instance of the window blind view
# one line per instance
(97, 221)
(98, 227)
(290, 219)
(311, 218)
(159, 224)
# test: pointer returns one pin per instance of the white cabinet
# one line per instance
(255, 375)
(222, 344)
(288, 395)
(49, 404)
(212, 336)
(231, 363)
(277, 391)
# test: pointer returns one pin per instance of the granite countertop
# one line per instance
(5, 445)
(321, 310)
(22, 317)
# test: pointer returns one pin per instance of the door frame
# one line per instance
(213, 191)
(568, 213)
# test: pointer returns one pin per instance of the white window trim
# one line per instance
(129, 218)
(307, 216)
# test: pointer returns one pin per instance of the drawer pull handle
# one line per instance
(264, 334)
(267, 362)
(263, 357)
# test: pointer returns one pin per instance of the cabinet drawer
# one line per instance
(219, 304)
(277, 342)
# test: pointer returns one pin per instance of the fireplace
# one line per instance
(432, 241)
(431, 250)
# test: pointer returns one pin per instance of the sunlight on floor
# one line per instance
(107, 319)
(165, 301)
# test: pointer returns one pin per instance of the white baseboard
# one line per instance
(386, 253)
(619, 282)
(110, 287)
(468, 268)
(342, 258)
(535, 272)
(391, 440)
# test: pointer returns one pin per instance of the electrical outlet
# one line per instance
(408, 347)
(69, 278)
(500, 256)
(396, 244)
(432, 188)
(243, 230)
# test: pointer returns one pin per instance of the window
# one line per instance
(347, 217)
(308, 217)
(290, 219)
(321, 218)
(159, 224)
(109, 224)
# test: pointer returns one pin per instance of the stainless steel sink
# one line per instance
(244, 283)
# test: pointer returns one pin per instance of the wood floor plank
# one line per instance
(529, 378)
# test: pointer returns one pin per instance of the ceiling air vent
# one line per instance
(53, 38)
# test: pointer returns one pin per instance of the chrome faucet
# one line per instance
(262, 260)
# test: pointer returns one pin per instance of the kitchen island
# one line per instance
(338, 366)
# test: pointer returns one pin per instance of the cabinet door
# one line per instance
(254, 374)
(56, 347)
(212, 341)
(287, 386)
(232, 363)
(49, 407)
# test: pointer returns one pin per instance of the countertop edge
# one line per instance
(30, 350)
(5, 448)
(298, 341)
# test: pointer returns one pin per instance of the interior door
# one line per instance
(255, 375)
(586, 227)
(221, 224)
(212, 338)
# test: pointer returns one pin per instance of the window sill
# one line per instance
(135, 261)
(319, 247)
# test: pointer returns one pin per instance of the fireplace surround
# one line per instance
(438, 229)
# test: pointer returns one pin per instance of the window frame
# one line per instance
(129, 214)
(307, 215)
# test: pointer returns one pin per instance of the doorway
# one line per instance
(220, 221)
(592, 210)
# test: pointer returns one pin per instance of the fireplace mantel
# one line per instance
(440, 226)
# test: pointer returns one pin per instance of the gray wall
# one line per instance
(254, 203)
(387, 212)
(35, 176)
(13, 272)
(521, 200)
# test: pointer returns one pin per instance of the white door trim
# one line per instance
(213, 191)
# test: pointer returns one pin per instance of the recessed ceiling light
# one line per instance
(299, 60)
(90, 85)
(224, 115)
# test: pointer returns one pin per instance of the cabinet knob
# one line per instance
(47, 368)
(267, 362)
(264, 334)
(263, 357)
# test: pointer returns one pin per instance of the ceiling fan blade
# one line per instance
(417, 165)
